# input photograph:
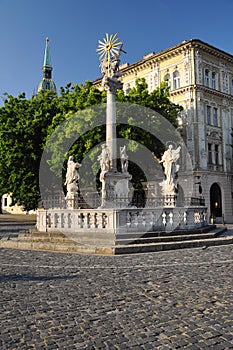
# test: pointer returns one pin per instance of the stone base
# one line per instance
(72, 200)
(103, 226)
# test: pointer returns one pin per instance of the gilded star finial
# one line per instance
(109, 46)
(109, 49)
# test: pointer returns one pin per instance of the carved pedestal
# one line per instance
(72, 201)
(115, 190)
(169, 200)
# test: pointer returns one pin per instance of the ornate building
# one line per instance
(47, 83)
(201, 80)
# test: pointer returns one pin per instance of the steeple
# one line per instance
(47, 83)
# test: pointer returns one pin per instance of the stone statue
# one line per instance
(104, 159)
(124, 159)
(72, 175)
(110, 68)
(169, 159)
(104, 66)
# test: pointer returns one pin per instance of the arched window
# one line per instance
(128, 89)
(167, 78)
(176, 80)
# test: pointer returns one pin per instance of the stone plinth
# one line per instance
(72, 200)
(115, 190)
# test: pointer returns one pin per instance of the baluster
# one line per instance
(56, 220)
(164, 219)
(49, 221)
(128, 219)
(104, 220)
(69, 220)
(171, 218)
(98, 220)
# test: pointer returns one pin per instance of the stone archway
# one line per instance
(215, 201)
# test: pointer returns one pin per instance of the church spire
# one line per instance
(47, 83)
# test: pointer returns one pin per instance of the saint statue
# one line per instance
(169, 160)
(72, 176)
(104, 159)
(124, 159)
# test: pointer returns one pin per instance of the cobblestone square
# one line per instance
(169, 300)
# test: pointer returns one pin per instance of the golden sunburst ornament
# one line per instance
(109, 47)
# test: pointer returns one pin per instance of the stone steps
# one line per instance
(57, 241)
(35, 236)
(165, 238)
(156, 247)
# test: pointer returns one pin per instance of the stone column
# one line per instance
(111, 127)
(115, 187)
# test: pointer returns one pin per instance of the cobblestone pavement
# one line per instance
(12, 224)
(168, 300)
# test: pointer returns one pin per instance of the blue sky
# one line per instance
(75, 26)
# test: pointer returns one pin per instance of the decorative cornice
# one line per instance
(212, 92)
(174, 51)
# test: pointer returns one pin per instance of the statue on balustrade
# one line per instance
(104, 159)
(124, 159)
(72, 176)
(171, 168)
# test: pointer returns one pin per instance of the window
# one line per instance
(216, 154)
(208, 115)
(167, 78)
(176, 80)
(207, 78)
(232, 87)
(5, 202)
(128, 89)
(215, 116)
(213, 80)
(209, 153)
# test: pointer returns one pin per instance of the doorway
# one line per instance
(215, 201)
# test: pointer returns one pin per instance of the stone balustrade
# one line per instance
(121, 220)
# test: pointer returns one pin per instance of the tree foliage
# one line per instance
(26, 125)
(23, 131)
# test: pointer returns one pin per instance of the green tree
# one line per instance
(23, 131)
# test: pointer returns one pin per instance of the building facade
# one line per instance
(201, 81)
